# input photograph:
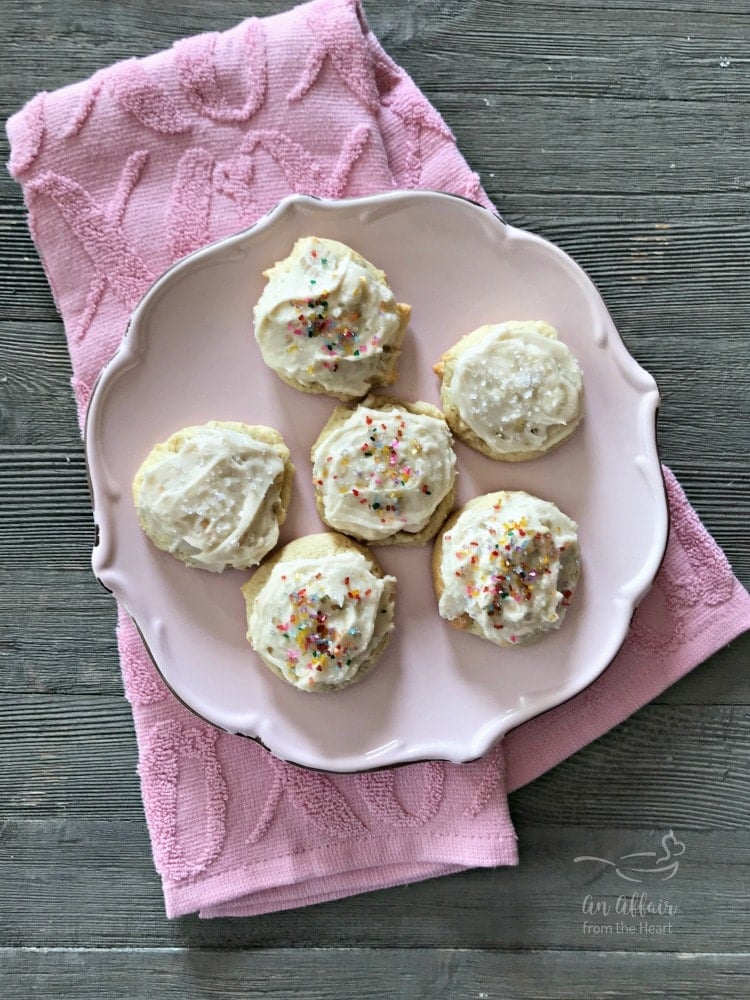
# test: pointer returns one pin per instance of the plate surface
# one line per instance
(190, 356)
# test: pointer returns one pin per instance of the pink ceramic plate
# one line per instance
(190, 356)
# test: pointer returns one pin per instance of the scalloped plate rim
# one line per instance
(647, 391)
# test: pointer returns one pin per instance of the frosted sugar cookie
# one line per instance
(384, 471)
(505, 567)
(511, 390)
(327, 322)
(320, 612)
(214, 495)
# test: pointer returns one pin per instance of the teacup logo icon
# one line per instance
(641, 866)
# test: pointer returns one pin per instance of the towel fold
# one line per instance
(152, 158)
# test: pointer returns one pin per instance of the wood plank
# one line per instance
(24, 292)
(688, 360)
(68, 752)
(650, 758)
(596, 123)
(58, 634)
(584, 49)
(684, 764)
(723, 679)
(583, 57)
(65, 886)
(47, 510)
(47, 609)
(534, 151)
(642, 251)
(387, 974)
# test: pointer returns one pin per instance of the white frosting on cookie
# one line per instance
(518, 387)
(511, 567)
(320, 620)
(212, 501)
(383, 471)
(325, 318)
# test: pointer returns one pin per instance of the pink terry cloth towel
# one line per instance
(145, 162)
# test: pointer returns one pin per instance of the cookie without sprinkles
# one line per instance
(511, 390)
(214, 495)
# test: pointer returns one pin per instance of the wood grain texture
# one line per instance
(441, 974)
(618, 130)
(46, 610)
(698, 777)
(78, 900)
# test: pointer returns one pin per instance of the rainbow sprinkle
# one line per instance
(392, 466)
(336, 329)
(505, 567)
(313, 644)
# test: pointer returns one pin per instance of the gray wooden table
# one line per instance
(616, 128)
